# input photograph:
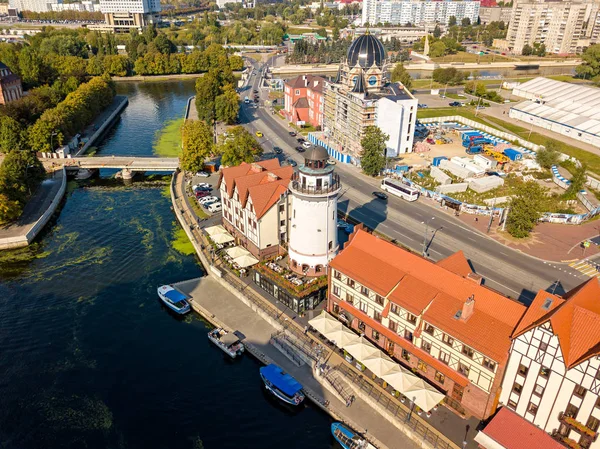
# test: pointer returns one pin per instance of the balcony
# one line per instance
(323, 190)
(569, 423)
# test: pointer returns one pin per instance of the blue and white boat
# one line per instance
(282, 385)
(174, 299)
(349, 439)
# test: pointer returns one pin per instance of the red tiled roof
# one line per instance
(511, 431)
(264, 182)
(312, 82)
(423, 287)
(301, 103)
(405, 344)
(575, 320)
(457, 263)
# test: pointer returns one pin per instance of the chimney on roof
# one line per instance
(256, 168)
(271, 177)
(468, 308)
(477, 278)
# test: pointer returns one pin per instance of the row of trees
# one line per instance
(590, 68)
(479, 89)
(71, 115)
(450, 76)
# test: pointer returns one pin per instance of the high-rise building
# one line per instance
(33, 5)
(563, 27)
(122, 15)
(418, 12)
(362, 96)
(490, 14)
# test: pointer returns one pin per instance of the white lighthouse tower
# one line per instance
(313, 232)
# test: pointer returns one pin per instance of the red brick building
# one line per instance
(433, 318)
(304, 100)
(10, 85)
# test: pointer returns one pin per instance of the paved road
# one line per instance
(511, 272)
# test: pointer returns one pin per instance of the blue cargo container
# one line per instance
(513, 155)
(401, 168)
(437, 160)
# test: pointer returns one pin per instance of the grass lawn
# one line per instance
(592, 160)
(463, 56)
(426, 84)
(168, 142)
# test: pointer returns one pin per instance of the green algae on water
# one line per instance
(181, 243)
(168, 141)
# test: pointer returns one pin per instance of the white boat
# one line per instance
(83, 173)
(230, 344)
(174, 299)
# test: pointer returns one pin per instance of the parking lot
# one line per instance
(211, 181)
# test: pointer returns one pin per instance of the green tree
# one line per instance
(452, 21)
(197, 145)
(227, 106)
(578, 181)
(548, 156)
(10, 210)
(465, 22)
(400, 74)
(437, 49)
(10, 134)
(207, 90)
(437, 32)
(240, 146)
(20, 173)
(30, 64)
(164, 45)
(590, 68)
(373, 155)
(525, 209)
(527, 50)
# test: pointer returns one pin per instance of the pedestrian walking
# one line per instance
(305, 330)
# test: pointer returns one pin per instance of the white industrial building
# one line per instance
(418, 12)
(396, 118)
(569, 109)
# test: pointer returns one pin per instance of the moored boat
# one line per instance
(83, 174)
(229, 343)
(349, 439)
(174, 299)
(282, 385)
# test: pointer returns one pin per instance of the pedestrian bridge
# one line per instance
(128, 163)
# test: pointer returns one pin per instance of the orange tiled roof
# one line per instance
(457, 263)
(405, 344)
(575, 320)
(433, 290)
(264, 182)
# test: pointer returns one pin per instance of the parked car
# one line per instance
(277, 150)
(422, 106)
(380, 195)
(208, 199)
(331, 161)
(456, 104)
(306, 144)
(300, 140)
(214, 207)
(203, 174)
(292, 133)
(292, 162)
(255, 91)
(202, 186)
(258, 134)
(201, 193)
(300, 149)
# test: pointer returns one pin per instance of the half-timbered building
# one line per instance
(553, 375)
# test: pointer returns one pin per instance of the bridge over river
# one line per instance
(128, 164)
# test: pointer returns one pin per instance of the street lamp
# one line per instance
(412, 407)
(52, 134)
(424, 250)
(26, 182)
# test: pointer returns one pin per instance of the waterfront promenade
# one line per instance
(37, 212)
(226, 300)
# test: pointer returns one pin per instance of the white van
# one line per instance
(215, 207)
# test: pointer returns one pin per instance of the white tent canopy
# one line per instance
(424, 395)
(222, 238)
(401, 381)
(237, 251)
(246, 260)
(341, 337)
(325, 323)
(381, 365)
(362, 350)
(218, 229)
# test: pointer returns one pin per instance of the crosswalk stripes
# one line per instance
(586, 267)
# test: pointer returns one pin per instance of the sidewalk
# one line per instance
(442, 422)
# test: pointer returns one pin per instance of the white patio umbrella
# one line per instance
(381, 364)
(246, 260)
(237, 251)
(424, 395)
(361, 350)
(401, 381)
(222, 238)
(325, 323)
(218, 229)
(341, 337)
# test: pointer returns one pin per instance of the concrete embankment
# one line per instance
(37, 212)
(108, 118)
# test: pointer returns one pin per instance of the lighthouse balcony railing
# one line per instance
(324, 189)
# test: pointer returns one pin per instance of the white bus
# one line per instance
(397, 188)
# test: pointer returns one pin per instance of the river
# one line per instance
(88, 356)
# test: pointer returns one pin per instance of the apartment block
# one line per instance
(434, 318)
(563, 27)
(490, 14)
(304, 100)
(418, 12)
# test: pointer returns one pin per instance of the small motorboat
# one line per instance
(282, 385)
(83, 174)
(174, 299)
(349, 439)
(229, 343)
